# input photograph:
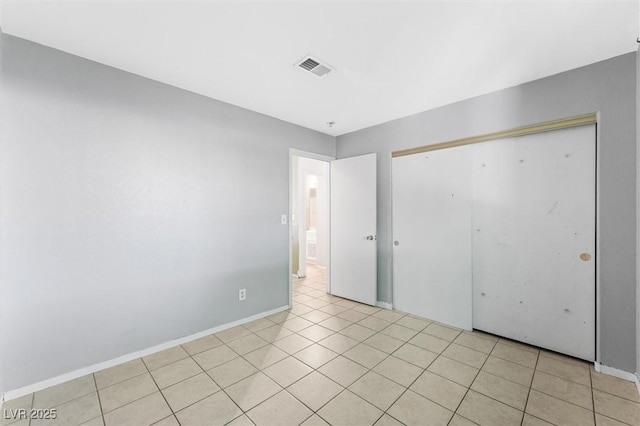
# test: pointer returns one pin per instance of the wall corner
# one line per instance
(638, 216)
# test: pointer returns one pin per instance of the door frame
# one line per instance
(313, 156)
(598, 240)
(591, 118)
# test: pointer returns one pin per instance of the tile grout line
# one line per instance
(173, 413)
(564, 378)
(616, 420)
(344, 388)
(560, 377)
(93, 376)
(531, 388)
(121, 381)
(566, 401)
(158, 386)
(314, 412)
(593, 398)
(420, 375)
(526, 402)
(405, 342)
(61, 403)
(471, 384)
(212, 379)
(611, 394)
(128, 403)
(519, 365)
(562, 400)
(388, 355)
(33, 398)
(411, 384)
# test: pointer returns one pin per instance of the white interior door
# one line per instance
(353, 228)
(432, 235)
(534, 239)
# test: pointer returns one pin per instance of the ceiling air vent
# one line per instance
(314, 66)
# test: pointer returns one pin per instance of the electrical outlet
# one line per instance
(242, 294)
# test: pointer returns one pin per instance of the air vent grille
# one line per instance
(309, 64)
(314, 66)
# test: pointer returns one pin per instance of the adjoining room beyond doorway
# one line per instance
(309, 219)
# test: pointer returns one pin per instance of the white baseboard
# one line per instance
(17, 393)
(384, 305)
(621, 374)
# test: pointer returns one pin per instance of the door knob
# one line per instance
(396, 243)
(371, 237)
(585, 256)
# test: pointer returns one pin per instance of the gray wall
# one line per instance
(132, 211)
(608, 87)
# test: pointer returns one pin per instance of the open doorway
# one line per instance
(309, 222)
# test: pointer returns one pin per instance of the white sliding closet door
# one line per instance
(432, 233)
(500, 235)
(534, 239)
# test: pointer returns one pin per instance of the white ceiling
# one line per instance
(390, 59)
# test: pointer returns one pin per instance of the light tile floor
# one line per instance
(333, 361)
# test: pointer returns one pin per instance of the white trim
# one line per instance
(384, 305)
(289, 231)
(638, 382)
(328, 238)
(314, 156)
(620, 374)
(391, 275)
(131, 356)
(598, 254)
